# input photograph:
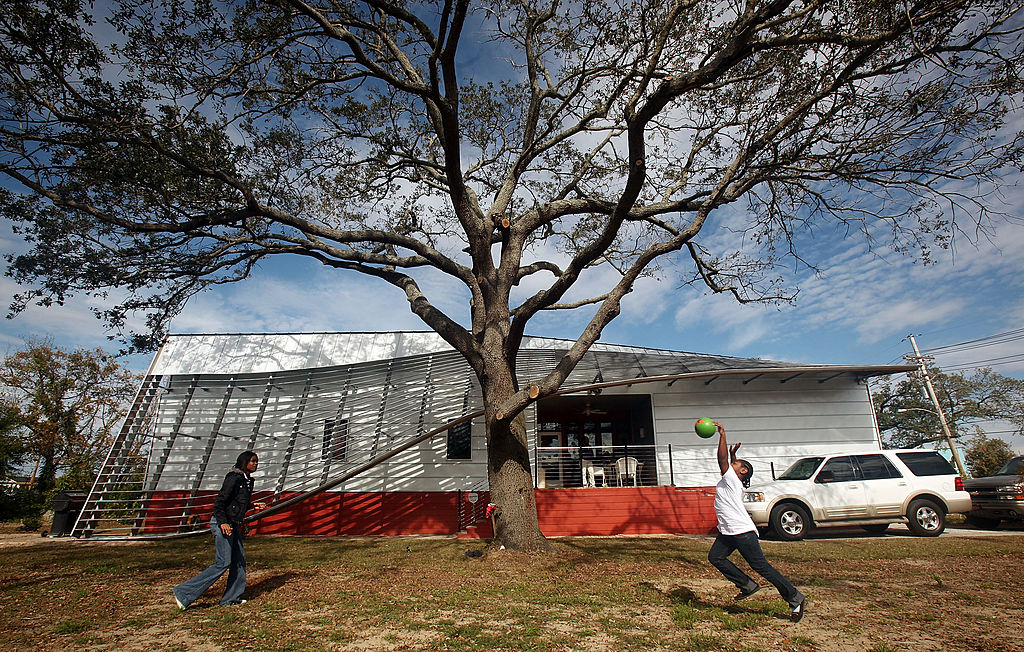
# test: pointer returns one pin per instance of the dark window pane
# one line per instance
(335, 439)
(460, 441)
(837, 469)
(877, 467)
(926, 463)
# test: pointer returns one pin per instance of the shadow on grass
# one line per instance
(683, 595)
(595, 550)
(269, 584)
(762, 609)
(680, 595)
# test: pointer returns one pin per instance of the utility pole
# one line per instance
(920, 360)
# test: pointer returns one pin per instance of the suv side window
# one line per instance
(876, 467)
(926, 463)
(837, 469)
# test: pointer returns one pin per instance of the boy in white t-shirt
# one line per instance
(737, 532)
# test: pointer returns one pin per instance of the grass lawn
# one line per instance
(867, 593)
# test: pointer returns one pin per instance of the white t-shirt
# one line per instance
(732, 516)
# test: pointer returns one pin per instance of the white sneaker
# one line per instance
(177, 601)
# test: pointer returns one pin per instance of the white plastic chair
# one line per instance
(628, 467)
(590, 474)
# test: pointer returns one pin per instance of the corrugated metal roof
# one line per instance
(275, 352)
(260, 353)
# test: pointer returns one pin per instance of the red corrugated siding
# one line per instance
(625, 510)
(367, 513)
(562, 512)
(166, 507)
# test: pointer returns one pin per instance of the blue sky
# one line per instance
(858, 310)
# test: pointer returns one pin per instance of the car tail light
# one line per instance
(958, 484)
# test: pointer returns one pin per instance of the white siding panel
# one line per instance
(777, 423)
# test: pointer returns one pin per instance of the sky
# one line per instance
(859, 308)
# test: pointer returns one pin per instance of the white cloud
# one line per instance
(320, 300)
(72, 324)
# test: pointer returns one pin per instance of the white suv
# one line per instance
(871, 490)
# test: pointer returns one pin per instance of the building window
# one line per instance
(460, 441)
(335, 439)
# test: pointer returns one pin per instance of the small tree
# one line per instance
(907, 418)
(69, 403)
(986, 455)
(512, 147)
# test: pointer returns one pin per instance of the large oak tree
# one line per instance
(511, 145)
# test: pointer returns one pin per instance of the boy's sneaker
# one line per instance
(798, 611)
(177, 601)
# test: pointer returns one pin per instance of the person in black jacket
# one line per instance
(232, 503)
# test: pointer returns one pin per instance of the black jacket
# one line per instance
(234, 499)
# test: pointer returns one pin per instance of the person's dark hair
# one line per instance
(745, 478)
(243, 459)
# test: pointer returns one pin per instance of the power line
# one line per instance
(991, 362)
(1005, 337)
(990, 340)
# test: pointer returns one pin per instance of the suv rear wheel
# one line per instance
(790, 522)
(926, 518)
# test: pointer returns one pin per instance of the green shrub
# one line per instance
(19, 503)
(30, 524)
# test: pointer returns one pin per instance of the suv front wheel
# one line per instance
(926, 518)
(789, 522)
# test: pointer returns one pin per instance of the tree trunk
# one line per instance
(508, 468)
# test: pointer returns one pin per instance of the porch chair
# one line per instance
(591, 472)
(628, 467)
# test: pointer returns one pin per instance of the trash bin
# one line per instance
(67, 505)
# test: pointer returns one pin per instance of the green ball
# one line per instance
(705, 428)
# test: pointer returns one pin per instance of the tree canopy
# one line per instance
(986, 455)
(158, 147)
(907, 418)
(67, 404)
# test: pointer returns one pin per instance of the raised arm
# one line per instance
(726, 453)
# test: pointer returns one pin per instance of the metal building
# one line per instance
(379, 433)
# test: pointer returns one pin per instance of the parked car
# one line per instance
(999, 497)
(872, 490)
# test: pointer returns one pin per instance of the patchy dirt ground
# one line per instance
(865, 593)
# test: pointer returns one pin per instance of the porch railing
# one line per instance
(621, 466)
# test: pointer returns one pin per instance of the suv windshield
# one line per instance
(1013, 467)
(801, 469)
